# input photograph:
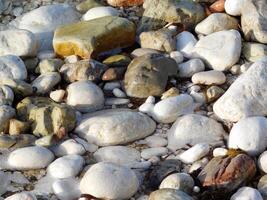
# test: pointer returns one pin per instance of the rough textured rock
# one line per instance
(159, 13)
(227, 173)
(147, 75)
(88, 39)
(193, 129)
(246, 96)
(6, 113)
(116, 126)
(46, 117)
(125, 3)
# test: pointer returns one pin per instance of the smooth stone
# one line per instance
(118, 93)
(262, 186)
(84, 6)
(216, 22)
(191, 67)
(5, 181)
(234, 7)
(69, 147)
(115, 126)
(19, 87)
(193, 129)
(17, 127)
(87, 43)
(89, 147)
(219, 152)
(57, 95)
(49, 65)
(220, 50)
(185, 43)
(217, 6)
(147, 108)
(6, 113)
(168, 110)
(16, 141)
(44, 20)
(116, 73)
(117, 61)
(112, 85)
(66, 189)
(162, 40)
(254, 52)
(156, 141)
(18, 42)
(179, 181)
(98, 12)
(85, 96)
(121, 155)
(195, 153)
(199, 97)
(46, 54)
(172, 92)
(46, 82)
(247, 193)
(249, 135)
(109, 181)
(170, 194)
(177, 56)
(212, 77)
(22, 196)
(237, 102)
(66, 166)
(143, 51)
(262, 162)
(26, 158)
(148, 75)
(155, 151)
(213, 93)
(116, 101)
(12, 67)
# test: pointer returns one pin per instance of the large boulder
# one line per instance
(89, 38)
(148, 75)
(246, 96)
(115, 126)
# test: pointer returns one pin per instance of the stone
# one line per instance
(46, 116)
(172, 92)
(252, 142)
(114, 127)
(262, 186)
(69, 147)
(6, 113)
(191, 67)
(118, 93)
(16, 141)
(220, 50)
(17, 127)
(5, 181)
(227, 173)
(156, 141)
(168, 110)
(262, 162)
(84, 6)
(18, 42)
(217, 6)
(247, 193)
(112, 85)
(212, 77)
(179, 181)
(66, 189)
(25, 158)
(44, 20)
(238, 101)
(87, 43)
(195, 153)
(120, 155)
(216, 22)
(159, 13)
(234, 7)
(49, 65)
(254, 52)
(66, 166)
(19, 87)
(90, 70)
(85, 96)
(6, 95)
(193, 129)
(12, 67)
(185, 42)
(170, 194)
(46, 54)
(22, 196)
(162, 40)
(116, 101)
(143, 51)
(125, 3)
(100, 11)
(155, 151)
(89, 147)
(46, 82)
(213, 93)
(113, 74)
(57, 95)
(177, 56)
(147, 75)
(219, 152)
(117, 61)
(109, 181)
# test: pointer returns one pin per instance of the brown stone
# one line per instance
(125, 3)
(17, 127)
(217, 6)
(114, 74)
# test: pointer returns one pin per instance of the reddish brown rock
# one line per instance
(125, 3)
(217, 6)
(112, 74)
(227, 173)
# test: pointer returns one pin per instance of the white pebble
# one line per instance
(156, 141)
(57, 95)
(262, 162)
(219, 152)
(112, 85)
(66, 189)
(156, 151)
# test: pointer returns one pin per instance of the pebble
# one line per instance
(6, 95)
(262, 186)
(22, 196)
(156, 141)
(185, 42)
(179, 181)
(156, 151)
(66, 189)
(109, 181)
(262, 162)
(212, 77)
(170, 194)
(46, 82)
(57, 95)
(116, 101)
(112, 85)
(100, 11)
(5, 181)
(247, 193)
(177, 56)
(219, 152)
(69, 147)
(234, 7)
(66, 166)
(191, 67)
(195, 153)
(19, 161)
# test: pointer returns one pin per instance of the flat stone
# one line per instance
(247, 193)
(212, 77)
(115, 126)
(79, 39)
(156, 141)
